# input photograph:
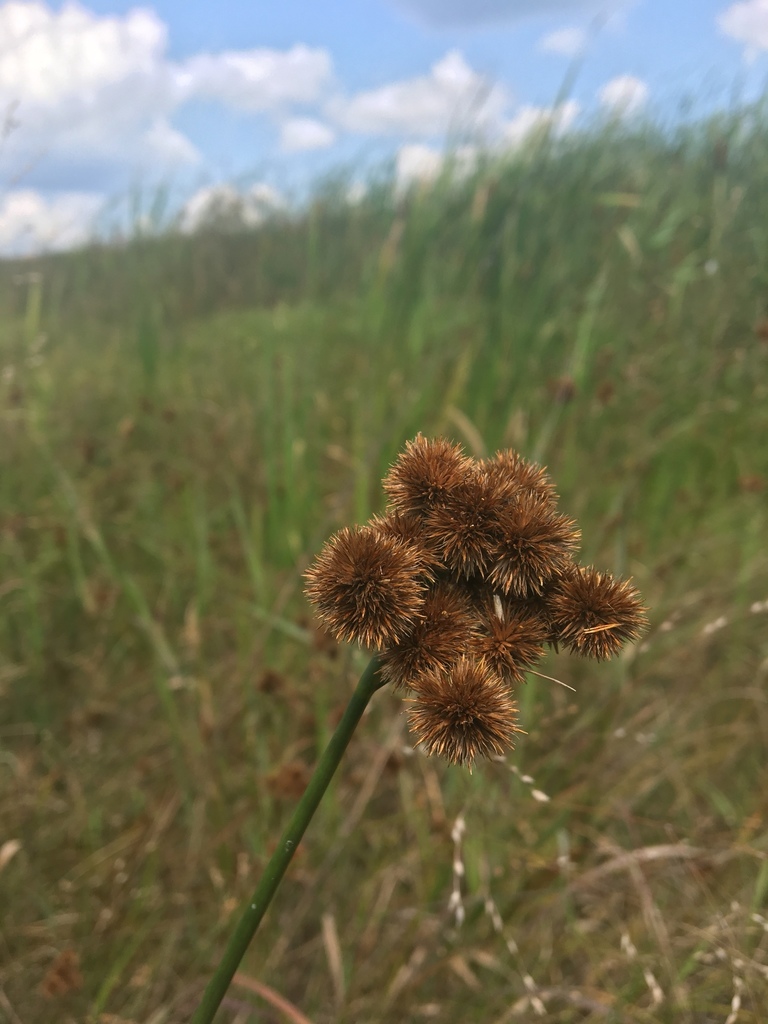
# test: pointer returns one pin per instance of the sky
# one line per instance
(106, 106)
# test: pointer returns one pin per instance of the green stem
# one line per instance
(370, 681)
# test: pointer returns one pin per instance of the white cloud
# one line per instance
(95, 92)
(452, 95)
(83, 86)
(419, 164)
(257, 80)
(48, 58)
(225, 206)
(624, 95)
(747, 22)
(30, 222)
(171, 146)
(416, 162)
(566, 42)
(530, 119)
(302, 133)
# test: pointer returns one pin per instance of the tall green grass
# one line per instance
(184, 420)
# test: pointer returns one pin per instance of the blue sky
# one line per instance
(258, 99)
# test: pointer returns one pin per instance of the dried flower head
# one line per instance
(426, 474)
(410, 530)
(537, 544)
(594, 614)
(465, 714)
(460, 586)
(446, 623)
(466, 528)
(508, 465)
(511, 638)
(367, 588)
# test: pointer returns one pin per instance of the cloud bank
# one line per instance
(746, 22)
(90, 102)
(30, 222)
(624, 95)
(565, 42)
(87, 88)
(451, 96)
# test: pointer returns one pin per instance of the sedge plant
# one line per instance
(456, 590)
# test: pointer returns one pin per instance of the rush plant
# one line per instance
(457, 590)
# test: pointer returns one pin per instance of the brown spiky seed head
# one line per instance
(410, 530)
(446, 625)
(594, 614)
(467, 528)
(425, 474)
(367, 588)
(509, 465)
(465, 714)
(511, 638)
(537, 545)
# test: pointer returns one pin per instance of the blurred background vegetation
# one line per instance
(184, 420)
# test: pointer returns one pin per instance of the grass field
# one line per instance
(184, 421)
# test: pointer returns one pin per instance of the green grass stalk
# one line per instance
(369, 682)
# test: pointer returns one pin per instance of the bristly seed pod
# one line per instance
(460, 585)
(511, 467)
(447, 622)
(511, 639)
(426, 474)
(468, 526)
(594, 614)
(465, 714)
(537, 544)
(367, 588)
(410, 530)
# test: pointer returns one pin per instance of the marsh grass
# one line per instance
(184, 421)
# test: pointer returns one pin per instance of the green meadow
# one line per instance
(184, 420)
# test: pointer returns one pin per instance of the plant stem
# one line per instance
(370, 681)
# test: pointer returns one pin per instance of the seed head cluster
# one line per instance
(460, 586)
